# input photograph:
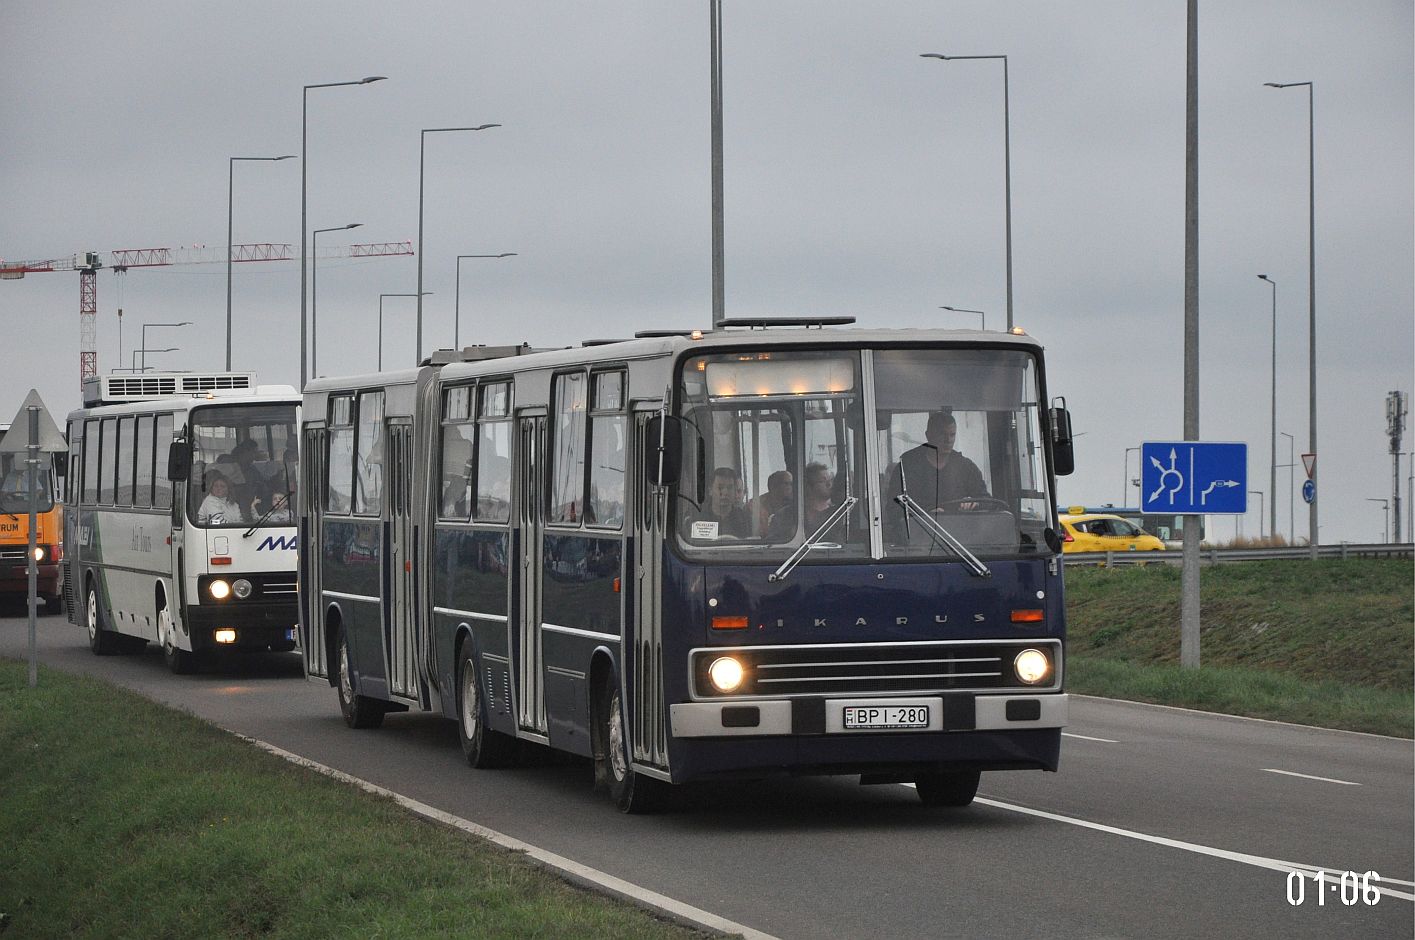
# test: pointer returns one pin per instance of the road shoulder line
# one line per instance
(583, 875)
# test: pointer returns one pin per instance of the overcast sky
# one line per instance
(860, 180)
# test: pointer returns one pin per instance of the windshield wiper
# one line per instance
(274, 506)
(810, 543)
(942, 535)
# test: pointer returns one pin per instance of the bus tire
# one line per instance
(631, 791)
(359, 711)
(101, 640)
(484, 748)
(950, 789)
(181, 662)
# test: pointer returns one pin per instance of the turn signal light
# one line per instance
(221, 560)
(1027, 616)
(729, 623)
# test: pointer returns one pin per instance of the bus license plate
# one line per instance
(885, 716)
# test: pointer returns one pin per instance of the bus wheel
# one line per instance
(360, 711)
(484, 748)
(632, 792)
(100, 640)
(955, 789)
(180, 661)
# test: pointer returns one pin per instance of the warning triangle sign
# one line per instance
(1309, 461)
(16, 440)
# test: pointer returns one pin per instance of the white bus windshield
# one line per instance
(774, 453)
(244, 466)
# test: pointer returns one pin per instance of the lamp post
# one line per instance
(314, 291)
(1385, 510)
(380, 324)
(457, 298)
(1311, 297)
(1259, 494)
(982, 317)
(144, 340)
(230, 186)
(1006, 157)
(422, 146)
(145, 351)
(1291, 492)
(1272, 427)
(1125, 481)
(304, 225)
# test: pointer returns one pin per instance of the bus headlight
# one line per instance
(1032, 666)
(219, 590)
(225, 635)
(242, 588)
(38, 553)
(726, 674)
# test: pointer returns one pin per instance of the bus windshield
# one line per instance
(244, 466)
(14, 485)
(775, 454)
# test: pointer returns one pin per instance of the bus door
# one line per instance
(530, 525)
(400, 616)
(645, 649)
(313, 466)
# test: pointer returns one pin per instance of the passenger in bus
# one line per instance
(723, 514)
(935, 474)
(282, 506)
(816, 497)
(218, 508)
(780, 493)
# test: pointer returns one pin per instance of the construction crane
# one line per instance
(91, 262)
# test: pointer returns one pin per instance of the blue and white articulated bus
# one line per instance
(766, 549)
(180, 526)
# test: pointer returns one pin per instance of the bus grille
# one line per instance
(871, 669)
(12, 554)
(278, 585)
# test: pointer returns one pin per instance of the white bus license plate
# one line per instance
(885, 716)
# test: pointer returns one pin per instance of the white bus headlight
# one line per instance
(242, 588)
(219, 589)
(726, 674)
(1032, 666)
(226, 635)
(38, 553)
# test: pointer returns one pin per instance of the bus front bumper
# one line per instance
(14, 579)
(244, 626)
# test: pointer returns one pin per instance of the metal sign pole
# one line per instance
(33, 565)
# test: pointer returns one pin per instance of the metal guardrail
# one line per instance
(1214, 556)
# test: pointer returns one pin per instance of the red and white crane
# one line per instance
(91, 262)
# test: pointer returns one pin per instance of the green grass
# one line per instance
(123, 818)
(1327, 643)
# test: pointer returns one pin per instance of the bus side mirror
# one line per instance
(61, 465)
(1063, 457)
(663, 450)
(179, 462)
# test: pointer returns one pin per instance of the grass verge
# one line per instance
(124, 818)
(1326, 643)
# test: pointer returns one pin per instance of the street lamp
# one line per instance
(145, 351)
(1385, 509)
(1272, 427)
(314, 291)
(144, 339)
(230, 185)
(457, 298)
(1291, 492)
(380, 324)
(982, 317)
(1125, 482)
(1259, 494)
(304, 226)
(422, 146)
(1006, 156)
(1311, 296)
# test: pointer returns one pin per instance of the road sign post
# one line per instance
(43, 437)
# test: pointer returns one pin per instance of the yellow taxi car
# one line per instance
(1104, 532)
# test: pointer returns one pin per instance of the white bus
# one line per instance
(179, 529)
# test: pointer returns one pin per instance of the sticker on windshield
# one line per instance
(704, 530)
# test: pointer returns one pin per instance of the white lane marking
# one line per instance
(1087, 737)
(1293, 773)
(570, 869)
(1266, 721)
(1257, 861)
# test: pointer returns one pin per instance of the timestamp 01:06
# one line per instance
(1352, 887)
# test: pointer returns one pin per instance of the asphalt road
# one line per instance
(1161, 823)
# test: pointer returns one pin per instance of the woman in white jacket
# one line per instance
(218, 508)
